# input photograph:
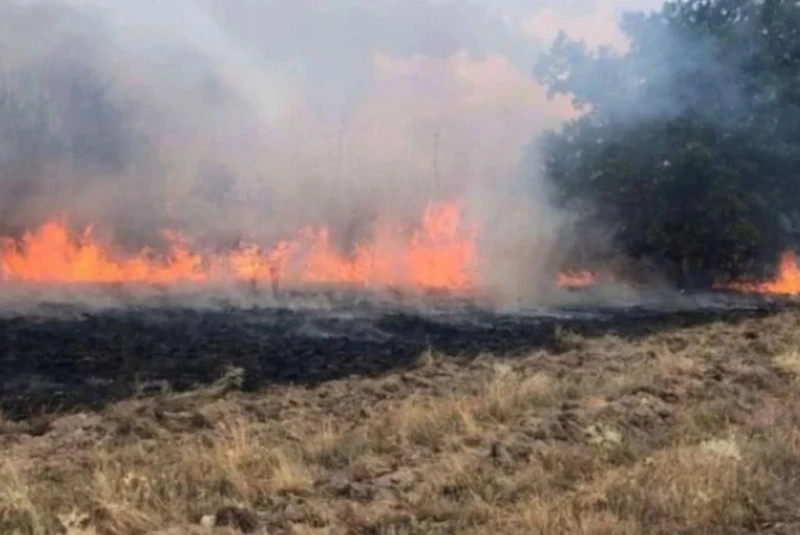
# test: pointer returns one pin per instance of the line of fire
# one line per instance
(441, 254)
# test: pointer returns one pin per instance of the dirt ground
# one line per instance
(690, 430)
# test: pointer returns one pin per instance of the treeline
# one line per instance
(687, 155)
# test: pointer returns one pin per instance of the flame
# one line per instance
(440, 254)
(786, 282)
(576, 279)
(50, 254)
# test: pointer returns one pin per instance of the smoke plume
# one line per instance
(249, 120)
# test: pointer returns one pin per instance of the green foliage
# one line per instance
(689, 147)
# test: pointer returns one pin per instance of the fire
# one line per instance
(440, 254)
(786, 282)
(576, 279)
(51, 254)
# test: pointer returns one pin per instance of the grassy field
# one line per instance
(683, 431)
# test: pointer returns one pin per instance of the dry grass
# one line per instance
(788, 361)
(691, 431)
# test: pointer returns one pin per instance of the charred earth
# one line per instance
(68, 356)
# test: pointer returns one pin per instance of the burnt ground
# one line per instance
(63, 357)
(574, 421)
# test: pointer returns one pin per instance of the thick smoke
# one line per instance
(686, 157)
(252, 119)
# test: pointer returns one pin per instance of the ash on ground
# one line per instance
(67, 353)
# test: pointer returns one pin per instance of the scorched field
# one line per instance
(375, 418)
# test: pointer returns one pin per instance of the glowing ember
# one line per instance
(576, 279)
(440, 254)
(787, 281)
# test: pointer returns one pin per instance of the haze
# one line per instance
(251, 119)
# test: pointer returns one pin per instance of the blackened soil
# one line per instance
(80, 359)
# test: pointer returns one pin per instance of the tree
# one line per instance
(689, 145)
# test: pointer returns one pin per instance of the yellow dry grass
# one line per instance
(688, 431)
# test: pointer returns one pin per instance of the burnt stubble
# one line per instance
(61, 357)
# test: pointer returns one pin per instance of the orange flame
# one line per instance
(441, 254)
(786, 282)
(576, 279)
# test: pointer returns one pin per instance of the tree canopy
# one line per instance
(688, 148)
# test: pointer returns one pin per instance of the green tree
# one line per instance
(689, 145)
